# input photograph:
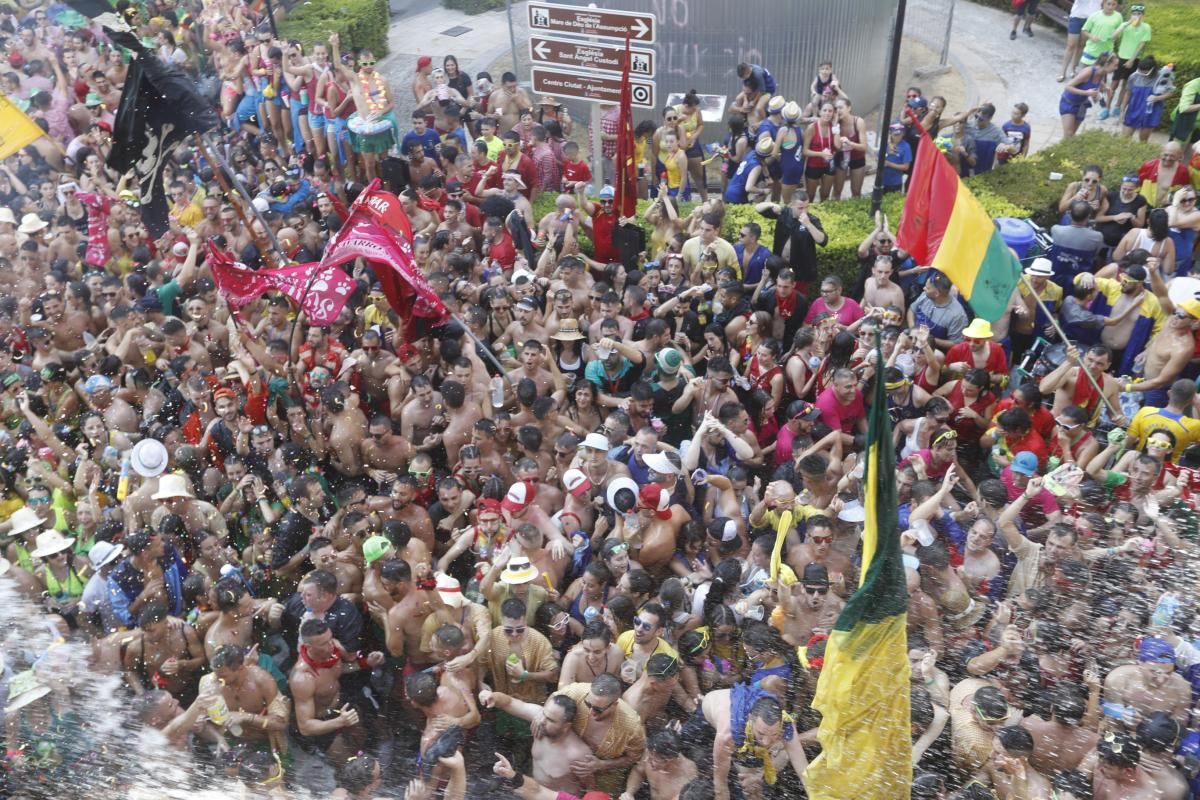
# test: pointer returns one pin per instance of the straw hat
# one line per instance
(6, 216)
(104, 553)
(31, 224)
(518, 571)
(51, 542)
(171, 486)
(450, 591)
(791, 111)
(568, 330)
(149, 458)
(25, 519)
(23, 689)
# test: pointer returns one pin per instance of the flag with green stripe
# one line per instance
(863, 691)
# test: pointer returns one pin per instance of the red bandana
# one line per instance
(786, 306)
(317, 666)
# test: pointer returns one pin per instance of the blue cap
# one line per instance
(97, 383)
(1156, 651)
(607, 193)
(1025, 463)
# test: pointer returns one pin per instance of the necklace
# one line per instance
(370, 94)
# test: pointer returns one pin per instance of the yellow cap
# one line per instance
(1191, 306)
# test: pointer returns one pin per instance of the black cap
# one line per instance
(815, 575)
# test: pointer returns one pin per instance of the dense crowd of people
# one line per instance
(528, 553)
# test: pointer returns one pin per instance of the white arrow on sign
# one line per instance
(641, 27)
(542, 49)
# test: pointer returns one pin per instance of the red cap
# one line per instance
(657, 499)
(15, 59)
(423, 62)
(487, 505)
(223, 392)
(519, 497)
(406, 351)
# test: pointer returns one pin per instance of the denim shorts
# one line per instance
(1075, 25)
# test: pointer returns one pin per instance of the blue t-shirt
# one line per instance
(752, 272)
(429, 142)
(903, 155)
(1015, 134)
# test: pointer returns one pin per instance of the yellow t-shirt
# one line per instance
(625, 641)
(1185, 429)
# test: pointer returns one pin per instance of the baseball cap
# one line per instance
(607, 193)
(1025, 463)
(802, 409)
(423, 62)
(815, 575)
(375, 548)
(575, 482)
(1156, 651)
(148, 303)
(1191, 306)
(518, 497)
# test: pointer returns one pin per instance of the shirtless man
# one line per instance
(163, 653)
(445, 704)
(766, 728)
(383, 453)
(67, 327)
(374, 365)
(664, 766)
(1063, 740)
(809, 607)
(508, 101)
(401, 622)
(255, 703)
(462, 234)
(555, 743)
(421, 84)
(572, 278)
(1072, 388)
(658, 684)
(344, 429)
(491, 459)
(1011, 775)
(237, 609)
(461, 417)
(880, 291)
(423, 415)
(315, 682)
(1118, 773)
(1158, 737)
(118, 414)
(400, 505)
(818, 549)
(533, 356)
(1150, 685)
(349, 577)
(1168, 353)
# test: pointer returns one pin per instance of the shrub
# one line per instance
(359, 23)
(1021, 188)
(473, 6)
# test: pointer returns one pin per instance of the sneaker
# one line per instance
(1029, 32)
(1012, 35)
(1115, 111)
(1103, 115)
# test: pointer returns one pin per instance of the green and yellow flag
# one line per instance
(16, 129)
(863, 692)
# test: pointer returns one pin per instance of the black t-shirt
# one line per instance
(294, 532)
(1113, 231)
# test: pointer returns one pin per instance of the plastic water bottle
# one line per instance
(498, 392)
(590, 613)
(1164, 612)
(218, 709)
(123, 481)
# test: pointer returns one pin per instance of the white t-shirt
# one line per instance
(1085, 8)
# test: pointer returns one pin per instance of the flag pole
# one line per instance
(889, 93)
(267, 241)
(1116, 413)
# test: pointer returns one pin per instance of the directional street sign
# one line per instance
(596, 88)
(552, 18)
(585, 55)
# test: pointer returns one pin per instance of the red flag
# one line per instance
(933, 179)
(319, 290)
(379, 231)
(626, 163)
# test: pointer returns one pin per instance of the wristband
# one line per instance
(427, 585)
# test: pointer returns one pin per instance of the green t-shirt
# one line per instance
(1191, 90)
(1131, 39)
(168, 293)
(1100, 28)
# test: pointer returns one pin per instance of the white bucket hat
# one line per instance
(149, 458)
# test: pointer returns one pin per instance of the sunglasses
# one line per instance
(366, 63)
(259, 430)
(821, 539)
(616, 549)
(821, 590)
(598, 710)
(37, 501)
(642, 625)
(420, 473)
(513, 631)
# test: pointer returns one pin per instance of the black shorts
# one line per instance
(1123, 72)
(859, 163)
(1028, 10)
(816, 173)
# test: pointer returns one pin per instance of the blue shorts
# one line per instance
(1075, 25)
(775, 170)
(316, 122)
(695, 151)
(1079, 110)
(793, 169)
(247, 109)
(1153, 398)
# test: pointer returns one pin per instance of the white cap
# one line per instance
(261, 205)
(660, 464)
(596, 441)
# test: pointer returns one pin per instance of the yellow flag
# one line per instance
(16, 129)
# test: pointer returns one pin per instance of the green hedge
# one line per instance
(473, 6)
(359, 23)
(1021, 188)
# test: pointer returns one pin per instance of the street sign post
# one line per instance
(574, 54)
(594, 88)
(603, 24)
